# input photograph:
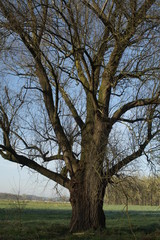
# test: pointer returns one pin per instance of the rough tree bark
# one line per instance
(86, 197)
(89, 182)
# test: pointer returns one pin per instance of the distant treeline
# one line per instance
(9, 196)
(134, 191)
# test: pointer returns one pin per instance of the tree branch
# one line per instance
(54, 157)
(113, 170)
(72, 108)
(45, 85)
(95, 8)
(12, 156)
(137, 103)
(132, 120)
(135, 74)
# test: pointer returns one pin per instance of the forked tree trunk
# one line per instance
(86, 197)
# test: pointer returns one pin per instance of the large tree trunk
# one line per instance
(86, 197)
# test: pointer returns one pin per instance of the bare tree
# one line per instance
(74, 72)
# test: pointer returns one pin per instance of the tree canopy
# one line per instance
(80, 92)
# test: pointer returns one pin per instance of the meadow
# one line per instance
(28, 220)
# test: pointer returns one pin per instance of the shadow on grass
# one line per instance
(52, 224)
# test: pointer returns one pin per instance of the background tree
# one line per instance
(134, 190)
(74, 75)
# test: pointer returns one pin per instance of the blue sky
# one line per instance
(15, 180)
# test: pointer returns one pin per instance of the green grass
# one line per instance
(40, 220)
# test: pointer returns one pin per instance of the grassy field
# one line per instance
(46, 220)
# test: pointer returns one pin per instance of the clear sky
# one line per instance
(15, 180)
